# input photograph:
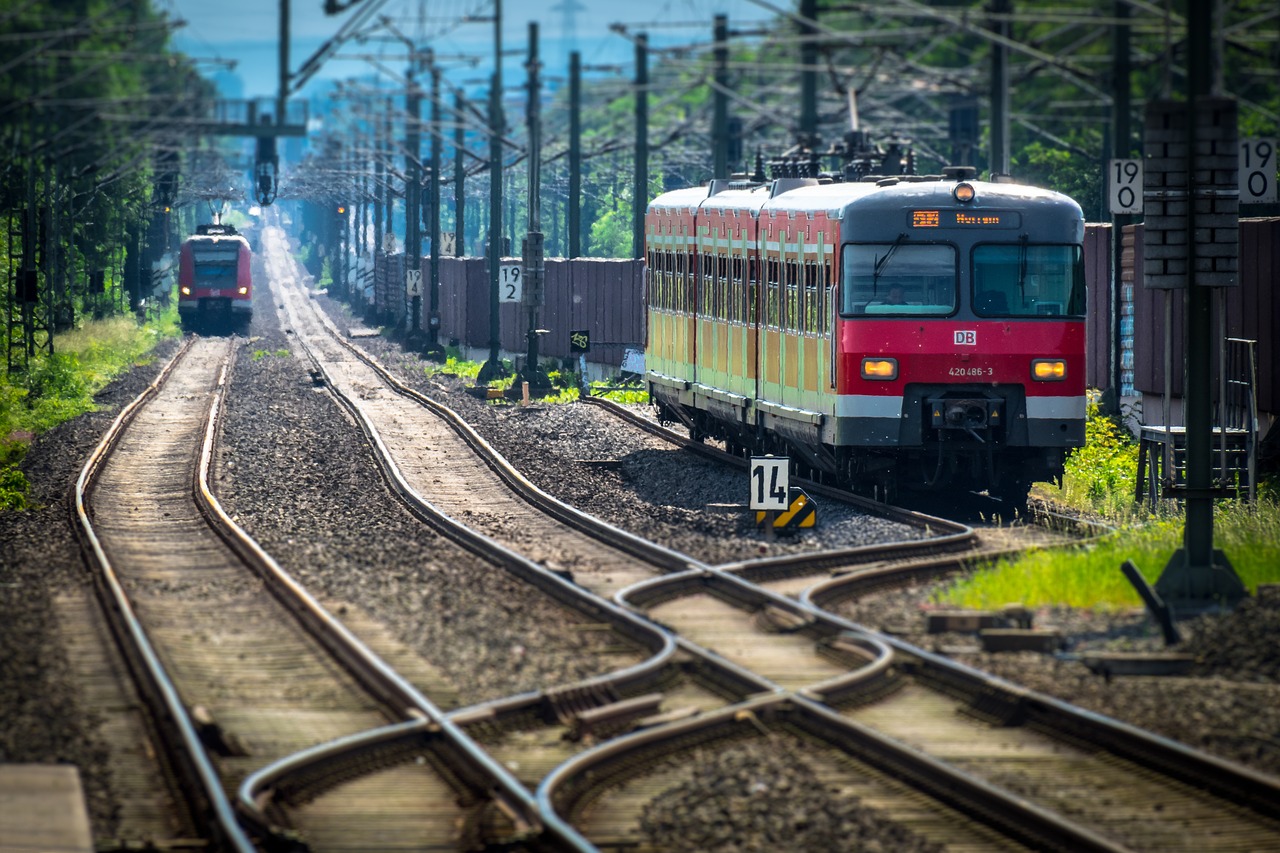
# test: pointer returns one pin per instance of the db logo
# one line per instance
(966, 338)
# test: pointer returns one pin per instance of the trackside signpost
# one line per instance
(770, 482)
(777, 504)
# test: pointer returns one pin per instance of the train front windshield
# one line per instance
(1028, 280)
(216, 263)
(920, 279)
(900, 278)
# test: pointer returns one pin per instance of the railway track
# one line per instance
(822, 666)
(234, 678)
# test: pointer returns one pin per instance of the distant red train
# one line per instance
(907, 332)
(215, 283)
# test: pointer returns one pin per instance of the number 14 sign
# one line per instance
(770, 483)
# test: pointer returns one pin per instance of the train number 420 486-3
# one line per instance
(971, 371)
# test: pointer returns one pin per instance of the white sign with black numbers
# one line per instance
(770, 483)
(1125, 180)
(1257, 171)
(413, 283)
(510, 283)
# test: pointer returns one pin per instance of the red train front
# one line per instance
(907, 332)
(961, 333)
(214, 277)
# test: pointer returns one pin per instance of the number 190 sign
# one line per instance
(1257, 171)
(1125, 178)
(770, 483)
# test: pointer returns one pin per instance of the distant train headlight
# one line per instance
(879, 368)
(1048, 369)
(186, 291)
(963, 193)
(244, 291)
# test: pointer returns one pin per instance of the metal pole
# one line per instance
(534, 263)
(1198, 576)
(433, 203)
(575, 154)
(720, 100)
(640, 200)
(1122, 147)
(1000, 90)
(459, 180)
(808, 74)
(492, 369)
(283, 94)
(1198, 535)
(413, 196)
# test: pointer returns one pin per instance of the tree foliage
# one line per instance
(94, 106)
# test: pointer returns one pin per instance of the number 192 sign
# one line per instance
(770, 483)
(510, 286)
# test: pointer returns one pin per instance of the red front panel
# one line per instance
(961, 352)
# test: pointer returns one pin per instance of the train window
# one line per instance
(722, 289)
(812, 298)
(708, 308)
(1028, 280)
(791, 306)
(771, 288)
(736, 291)
(216, 262)
(899, 278)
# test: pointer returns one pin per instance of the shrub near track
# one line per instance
(1099, 480)
(60, 386)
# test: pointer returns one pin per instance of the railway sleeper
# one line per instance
(613, 718)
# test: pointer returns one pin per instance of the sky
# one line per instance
(247, 31)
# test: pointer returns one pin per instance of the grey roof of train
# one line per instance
(836, 196)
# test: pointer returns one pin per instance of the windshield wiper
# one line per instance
(880, 262)
(1022, 268)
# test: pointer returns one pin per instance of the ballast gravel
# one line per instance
(292, 465)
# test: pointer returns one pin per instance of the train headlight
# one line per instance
(186, 291)
(244, 291)
(1048, 369)
(963, 193)
(879, 368)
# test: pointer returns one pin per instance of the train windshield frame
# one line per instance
(1026, 279)
(901, 278)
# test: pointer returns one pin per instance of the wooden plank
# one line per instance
(42, 808)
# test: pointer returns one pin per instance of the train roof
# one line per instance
(215, 238)
(834, 198)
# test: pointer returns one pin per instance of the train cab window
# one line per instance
(215, 261)
(917, 279)
(1028, 280)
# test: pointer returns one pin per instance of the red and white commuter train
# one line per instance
(917, 332)
(215, 281)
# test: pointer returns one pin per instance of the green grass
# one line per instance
(454, 365)
(61, 386)
(1099, 477)
(1099, 480)
(1089, 576)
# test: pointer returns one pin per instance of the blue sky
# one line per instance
(247, 31)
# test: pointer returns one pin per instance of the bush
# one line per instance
(1101, 476)
(60, 386)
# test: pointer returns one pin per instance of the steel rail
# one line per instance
(185, 754)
